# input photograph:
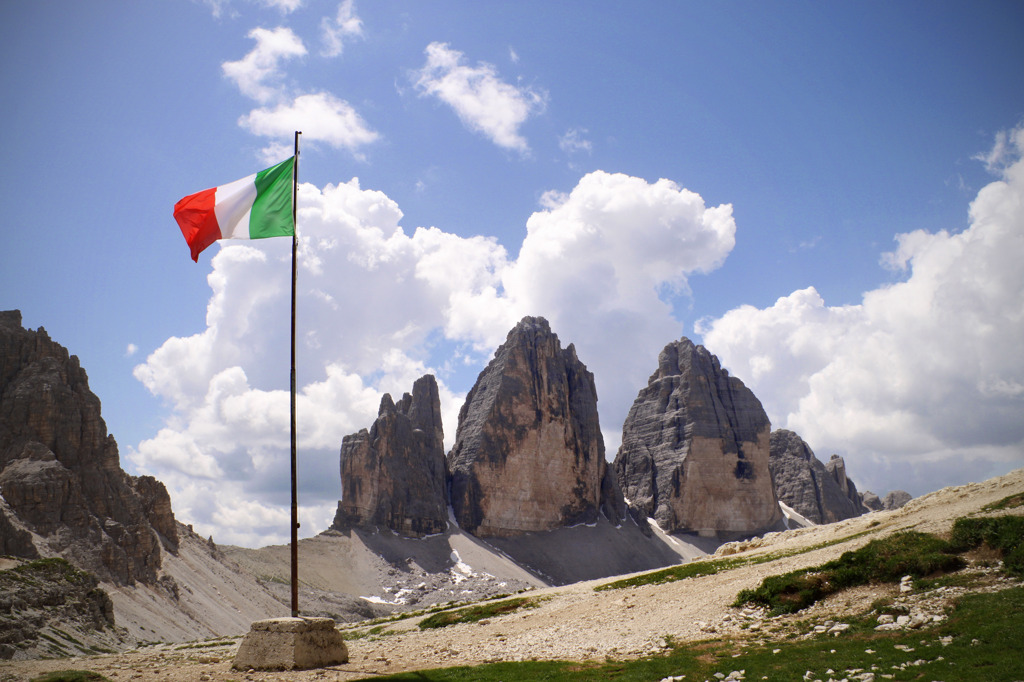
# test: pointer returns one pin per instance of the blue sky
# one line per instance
(827, 195)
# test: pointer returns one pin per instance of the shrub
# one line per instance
(1002, 533)
(889, 559)
(883, 560)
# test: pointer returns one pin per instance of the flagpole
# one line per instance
(295, 493)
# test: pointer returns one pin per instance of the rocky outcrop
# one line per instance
(60, 473)
(893, 500)
(871, 501)
(529, 454)
(40, 601)
(156, 503)
(822, 493)
(836, 467)
(393, 475)
(695, 451)
(807, 485)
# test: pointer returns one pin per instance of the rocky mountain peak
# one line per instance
(819, 492)
(694, 451)
(529, 454)
(393, 475)
(63, 490)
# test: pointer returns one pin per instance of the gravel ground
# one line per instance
(577, 623)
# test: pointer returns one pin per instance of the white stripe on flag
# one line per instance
(232, 204)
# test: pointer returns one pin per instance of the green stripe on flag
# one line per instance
(272, 210)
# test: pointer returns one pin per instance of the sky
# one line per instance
(828, 196)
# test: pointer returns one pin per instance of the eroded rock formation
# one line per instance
(836, 467)
(41, 598)
(393, 475)
(694, 452)
(529, 454)
(60, 473)
(808, 486)
(893, 500)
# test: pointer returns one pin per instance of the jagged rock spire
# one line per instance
(694, 452)
(529, 454)
(393, 475)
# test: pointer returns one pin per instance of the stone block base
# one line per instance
(291, 644)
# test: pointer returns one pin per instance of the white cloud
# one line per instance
(258, 73)
(378, 307)
(574, 141)
(286, 6)
(483, 102)
(130, 350)
(320, 116)
(335, 30)
(217, 7)
(599, 265)
(922, 377)
(1004, 152)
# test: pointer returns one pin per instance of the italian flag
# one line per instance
(254, 207)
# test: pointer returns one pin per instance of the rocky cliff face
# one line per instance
(807, 485)
(694, 451)
(394, 476)
(41, 600)
(60, 473)
(528, 454)
(836, 467)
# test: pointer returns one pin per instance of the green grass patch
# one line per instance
(473, 614)
(882, 560)
(372, 633)
(42, 571)
(1002, 533)
(71, 676)
(965, 580)
(694, 569)
(352, 631)
(203, 645)
(985, 636)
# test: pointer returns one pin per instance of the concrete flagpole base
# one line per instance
(291, 644)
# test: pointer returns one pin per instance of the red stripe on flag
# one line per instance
(198, 221)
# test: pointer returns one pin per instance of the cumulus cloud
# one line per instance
(482, 100)
(258, 73)
(924, 374)
(335, 30)
(601, 263)
(378, 307)
(320, 116)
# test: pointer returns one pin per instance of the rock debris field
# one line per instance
(576, 623)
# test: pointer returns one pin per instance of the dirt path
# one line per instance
(575, 622)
